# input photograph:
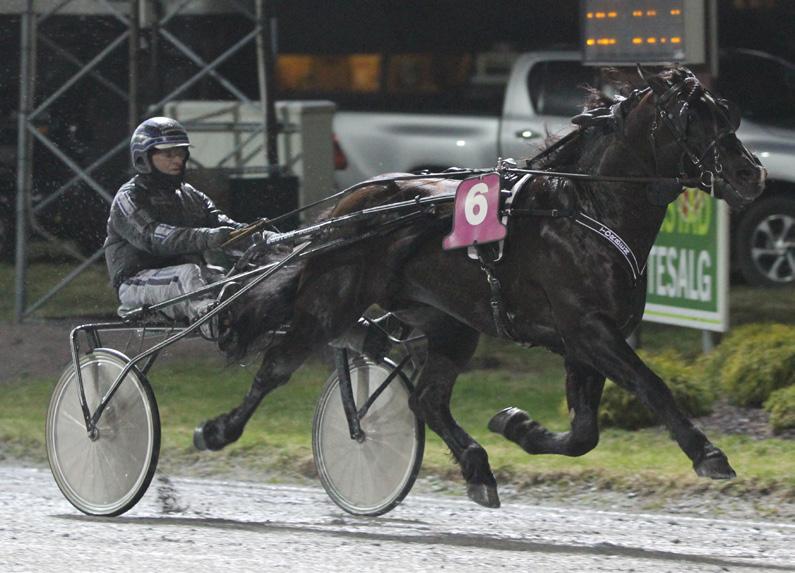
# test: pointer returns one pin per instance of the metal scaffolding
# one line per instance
(133, 15)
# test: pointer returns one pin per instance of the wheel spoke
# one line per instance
(757, 253)
(786, 226)
(773, 273)
(75, 421)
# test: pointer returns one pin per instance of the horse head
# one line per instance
(699, 129)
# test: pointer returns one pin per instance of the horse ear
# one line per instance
(657, 84)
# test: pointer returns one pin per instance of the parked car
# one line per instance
(487, 119)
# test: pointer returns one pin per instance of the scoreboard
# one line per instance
(644, 31)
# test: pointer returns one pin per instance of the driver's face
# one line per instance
(170, 161)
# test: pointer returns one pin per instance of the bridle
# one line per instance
(726, 120)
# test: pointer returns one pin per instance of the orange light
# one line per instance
(589, 15)
(651, 40)
(663, 40)
(676, 12)
(651, 12)
(600, 15)
(676, 40)
(637, 13)
(590, 41)
(637, 40)
(612, 14)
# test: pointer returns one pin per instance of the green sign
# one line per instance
(688, 267)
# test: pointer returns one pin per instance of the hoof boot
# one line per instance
(506, 416)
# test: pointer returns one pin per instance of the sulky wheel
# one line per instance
(108, 474)
(372, 475)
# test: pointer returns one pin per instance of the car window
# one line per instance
(559, 88)
(763, 87)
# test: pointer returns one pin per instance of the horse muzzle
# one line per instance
(742, 187)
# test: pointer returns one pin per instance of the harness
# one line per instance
(664, 189)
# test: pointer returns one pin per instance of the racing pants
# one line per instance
(153, 286)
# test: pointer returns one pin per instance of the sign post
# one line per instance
(688, 267)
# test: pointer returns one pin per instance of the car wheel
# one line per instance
(766, 243)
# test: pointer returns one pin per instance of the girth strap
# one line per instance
(502, 322)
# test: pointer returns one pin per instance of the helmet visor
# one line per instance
(170, 145)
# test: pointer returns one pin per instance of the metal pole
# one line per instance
(265, 55)
(135, 28)
(65, 281)
(709, 340)
(210, 67)
(712, 38)
(191, 55)
(27, 54)
(75, 78)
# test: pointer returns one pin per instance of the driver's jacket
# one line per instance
(153, 226)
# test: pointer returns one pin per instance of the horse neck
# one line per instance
(624, 207)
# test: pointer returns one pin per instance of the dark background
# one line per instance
(89, 119)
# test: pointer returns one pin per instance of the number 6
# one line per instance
(475, 205)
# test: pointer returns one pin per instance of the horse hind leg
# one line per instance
(450, 345)
(280, 362)
(323, 312)
(584, 387)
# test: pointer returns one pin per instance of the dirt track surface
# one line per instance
(203, 525)
(41, 349)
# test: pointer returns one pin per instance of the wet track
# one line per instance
(201, 525)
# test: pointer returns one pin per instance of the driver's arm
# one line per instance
(138, 227)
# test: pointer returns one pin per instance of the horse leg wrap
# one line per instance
(512, 423)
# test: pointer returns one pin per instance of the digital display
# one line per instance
(643, 31)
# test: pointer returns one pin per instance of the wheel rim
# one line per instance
(773, 248)
(106, 475)
(370, 476)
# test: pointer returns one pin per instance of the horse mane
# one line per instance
(559, 153)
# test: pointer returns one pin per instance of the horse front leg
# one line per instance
(450, 346)
(584, 387)
(598, 341)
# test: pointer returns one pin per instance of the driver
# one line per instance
(160, 228)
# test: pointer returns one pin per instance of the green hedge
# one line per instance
(781, 406)
(711, 365)
(623, 410)
(755, 361)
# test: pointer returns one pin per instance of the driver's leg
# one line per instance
(153, 286)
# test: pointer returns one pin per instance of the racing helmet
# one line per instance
(155, 133)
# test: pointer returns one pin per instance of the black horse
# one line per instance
(563, 286)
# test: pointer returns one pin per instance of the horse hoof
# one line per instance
(484, 495)
(198, 438)
(499, 422)
(715, 465)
